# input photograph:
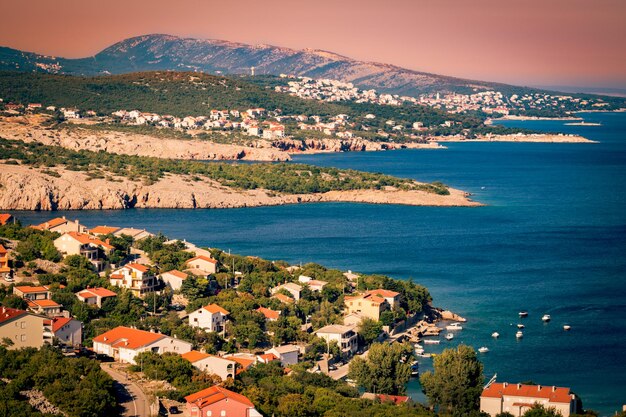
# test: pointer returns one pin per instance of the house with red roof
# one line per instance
(28, 292)
(5, 270)
(203, 264)
(49, 308)
(519, 398)
(124, 343)
(391, 297)
(22, 328)
(83, 244)
(212, 318)
(174, 279)
(61, 225)
(211, 364)
(270, 315)
(385, 398)
(94, 296)
(66, 330)
(367, 305)
(104, 230)
(218, 401)
(5, 218)
(134, 277)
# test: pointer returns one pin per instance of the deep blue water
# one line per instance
(551, 240)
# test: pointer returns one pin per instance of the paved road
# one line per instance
(129, 395)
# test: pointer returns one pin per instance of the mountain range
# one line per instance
(166, 52)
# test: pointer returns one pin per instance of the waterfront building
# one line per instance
(92, 248)
(518, 398)
(203, 264)
(345, 337)
(61, 225)
(368, 305)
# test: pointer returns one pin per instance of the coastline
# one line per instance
(27, 188)
(521, 137)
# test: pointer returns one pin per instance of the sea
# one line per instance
(551, 239)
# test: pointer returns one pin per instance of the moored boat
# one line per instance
(495, 335)
(520, 326)
(415, 369)
(454, 326)
(523, 313)
(519, 334)
(483, 349)
(449, 336)
(432, 341)
(546, 318)
(567, 327)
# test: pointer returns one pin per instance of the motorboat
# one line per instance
(495, 335)
(415, 368)
(423, 355)
(432, 341)
(519, 334)
(546, 318)
(520, 326)
(483, 349)
(567, 327)
(523, 314)
(454, 326)
(449, 336)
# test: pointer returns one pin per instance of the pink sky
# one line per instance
(529, 42)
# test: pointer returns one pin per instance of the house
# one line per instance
(285, 299)
(316, 285)
(32, 293)
(45, 307)
(211, 364)
(368, 305)
(211, 318)
(287, 354)
(5, 270)
(174, 279)
(71, 113)
(61, 225)
(353, 319)
(83, 244)
(94, 296)
(124, 343)
(270, 315)
(24, 329)
(5, 218)
(218, 401)
(518, 398)
(385, 398)
(134, 277)
(292, 288)
(391, 297)
(104, 230)
(66, 330)
(345, 337)
(203, 263)
(136, 234)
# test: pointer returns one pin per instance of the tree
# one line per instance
(457, 381)
(539, 410)
(386, 370)
(369, 330)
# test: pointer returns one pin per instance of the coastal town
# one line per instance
(136, 301)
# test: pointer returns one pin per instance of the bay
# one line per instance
(551, 240)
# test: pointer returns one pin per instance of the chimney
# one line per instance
(519, 386)
(505, 384)
(538, 387)
(107, 241)
(553, 388)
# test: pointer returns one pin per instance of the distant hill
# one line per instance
(165, 52)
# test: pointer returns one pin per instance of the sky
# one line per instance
(523, 42)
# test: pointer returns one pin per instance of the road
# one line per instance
(128, 394)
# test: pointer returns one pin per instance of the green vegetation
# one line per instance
(386, 370)
(457, 381)
(285, 178)
(76, 386)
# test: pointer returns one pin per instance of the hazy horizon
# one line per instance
(561, 43)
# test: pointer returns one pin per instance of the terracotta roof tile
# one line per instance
(7, 314)
(215, 394)
(203, 258)
(553, 394)
(194, 356)
(269, 314)
(214, 308)
(128, 338)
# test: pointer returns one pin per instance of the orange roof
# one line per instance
(215, 394)
(5, 218)
(269, 314)
(104, 230)
(383, 293)
(42, 303)
(58, 322)
(214, 308)
(138, 267)
(2, 250)
(396, 399)
(553, 394)
(177, 273)
(194, 356)
(7, 313)
(283, 298)
(51, 223)
(245, 363)
(99, 292)
(268, 357)
(86, 239)
(203, 258)
(28, 289)
(128, 338)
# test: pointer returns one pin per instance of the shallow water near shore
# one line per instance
(552, 240)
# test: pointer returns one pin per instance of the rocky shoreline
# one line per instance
(27, 188)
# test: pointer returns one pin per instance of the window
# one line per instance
(23, 338)
(223, 413)
(209, 413)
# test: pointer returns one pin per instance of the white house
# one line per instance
(519, 398)
(135, 277)
(345, 336)
(203, 263)
(293, 288)
(94, 296)
(222, 367)
(211, 318)
(67, 330)
(124, 343)
(174, 279)
(288, 354)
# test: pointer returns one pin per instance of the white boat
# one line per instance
(454, 326)
(424, 355)
(520, 326)
(567, 327)
(519, 334)
(523, 313)
(546, 318)
(483, 349)
(495, 335)
(432, 341)
(449, 336)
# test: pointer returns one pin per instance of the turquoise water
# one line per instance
(551, 240)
